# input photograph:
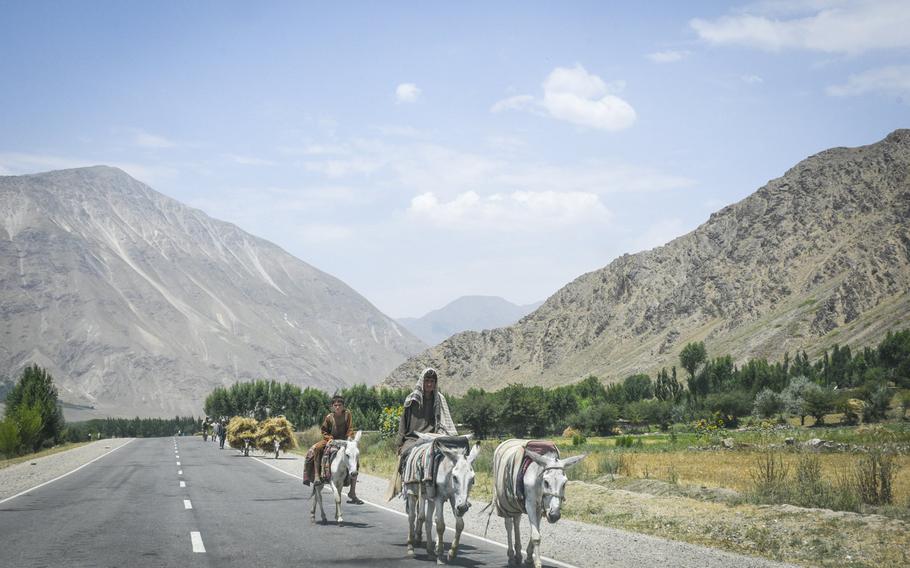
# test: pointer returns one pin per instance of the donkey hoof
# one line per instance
(452, 555)
(410, 550)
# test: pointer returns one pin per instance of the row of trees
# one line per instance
(33, 416)
(131, 427)
(304, 408)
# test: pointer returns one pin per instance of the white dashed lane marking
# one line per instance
(183, 484)
(179, 472)
(196, 539)
(187, 504)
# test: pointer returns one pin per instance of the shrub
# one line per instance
(877, 400)
(874, 474)
(578, 439)
(769, 476)
(624, 441)
(388, 424)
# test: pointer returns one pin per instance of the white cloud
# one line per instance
(519, 210)
(669, 56)
(146, 140)
(518, 102)
(752, 79)
(886, 80)
(250, 160)
(407, 93)
(576, 96)
(832, 27)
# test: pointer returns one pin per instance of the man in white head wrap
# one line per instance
(425, 410)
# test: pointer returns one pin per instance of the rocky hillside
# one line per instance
(466, 313)
(138, 304)
(818, 256)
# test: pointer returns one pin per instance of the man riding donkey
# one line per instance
(338, 424)
(426, 411)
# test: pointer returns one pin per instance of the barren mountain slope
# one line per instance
(138, 304)
(818, 256)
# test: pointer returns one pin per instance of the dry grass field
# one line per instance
(684, 487)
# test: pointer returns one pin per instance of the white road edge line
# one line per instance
(64, 475)
(448, 529)
(196, 539)
(187, 504)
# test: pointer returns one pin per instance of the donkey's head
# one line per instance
(352, 452)
(461, 477)
(552, 482)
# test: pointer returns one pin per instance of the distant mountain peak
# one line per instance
(465, 313)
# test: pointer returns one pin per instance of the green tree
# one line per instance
(819, 401)
(637, 387)
(691, 358)
(667, 387)
(9, 437)
(36, 389)
(28, 419)
(477, 411)
(767, 403)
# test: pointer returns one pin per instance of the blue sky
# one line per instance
(424, 151)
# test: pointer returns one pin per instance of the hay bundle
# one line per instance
(278, 428)
(241, 433)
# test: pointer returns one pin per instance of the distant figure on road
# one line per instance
(426, 411)
(338, 424)
(222, 433)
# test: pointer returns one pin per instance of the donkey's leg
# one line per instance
(429, 508)
(412, 522)
(440, 529)
(534, 541)
(336, 493)
(420, 504)
(459, 526)
(313, 499)
(321, 508)
(509, 550)
(516, 525)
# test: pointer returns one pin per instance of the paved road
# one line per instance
(130, 509)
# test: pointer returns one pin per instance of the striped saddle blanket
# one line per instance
(420, 463)
(509, 466)
(328, 455)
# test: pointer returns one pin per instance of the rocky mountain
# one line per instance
(816, 257)
(138, 304)
(475, 313)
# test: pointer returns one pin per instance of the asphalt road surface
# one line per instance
(181, 502)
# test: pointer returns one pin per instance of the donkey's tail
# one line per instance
(489, 515)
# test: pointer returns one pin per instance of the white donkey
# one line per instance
(343, 464)
(452, 482)
(543, 484)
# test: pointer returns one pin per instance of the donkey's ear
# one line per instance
(569, 462)
(468, 436)
(357, 436)
(475, 451)
(537, 458)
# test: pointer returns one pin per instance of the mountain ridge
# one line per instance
(137, 303)
(818, 255)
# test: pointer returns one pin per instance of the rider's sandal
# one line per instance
(355, 500)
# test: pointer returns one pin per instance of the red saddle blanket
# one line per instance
(541, 447)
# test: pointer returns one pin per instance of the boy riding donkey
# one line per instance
(338, 424)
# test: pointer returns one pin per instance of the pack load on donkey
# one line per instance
(241, 433)
(275, 434)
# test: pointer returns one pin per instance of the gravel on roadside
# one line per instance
(28, 474)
